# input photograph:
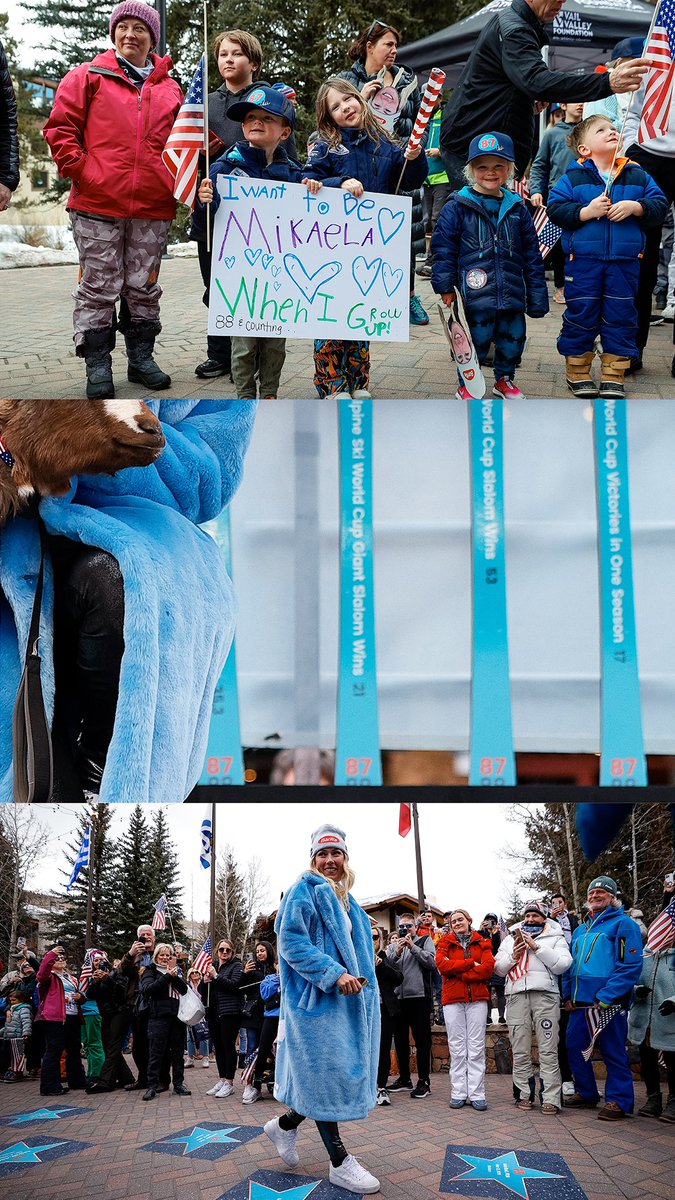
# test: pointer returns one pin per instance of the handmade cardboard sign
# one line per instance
(290, 264)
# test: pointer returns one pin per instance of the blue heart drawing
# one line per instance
(229, 261)
(277, 285)
(391, 279)
(365, 273)
(266, 260)
(252, 256)
(276, 271)
(391, 221)
(306, 283)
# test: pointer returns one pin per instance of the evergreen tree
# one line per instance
(233, 918)
(30, 112)
(163, 868)
(71, 926)
(132, 872)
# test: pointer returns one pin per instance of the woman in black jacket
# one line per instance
(109, 989)
(388, 975)
(161, 986)
(223, 999)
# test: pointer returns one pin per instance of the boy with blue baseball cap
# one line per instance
(485, 246)
(268, 119)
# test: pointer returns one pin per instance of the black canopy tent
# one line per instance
(581, 36)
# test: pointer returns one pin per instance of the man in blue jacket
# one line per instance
(606, 965)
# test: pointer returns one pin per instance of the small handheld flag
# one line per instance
(83, 858)
(186, 141)
(159, 915)
(204, 959)
(655, 116)
(661, 932)
(598, 1019)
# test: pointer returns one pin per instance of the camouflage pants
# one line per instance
(117, 258)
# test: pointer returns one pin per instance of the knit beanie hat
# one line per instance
(534, 906)
(141, 11)
(603, 881)
(328, 837)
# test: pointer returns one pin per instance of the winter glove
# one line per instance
(667, 1008)
(642, 991)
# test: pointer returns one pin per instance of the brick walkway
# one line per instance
(37, 360)
(403, 1145)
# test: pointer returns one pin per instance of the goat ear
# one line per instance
(9, 496)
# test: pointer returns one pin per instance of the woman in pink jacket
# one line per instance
(107, 130)
(59, 1015)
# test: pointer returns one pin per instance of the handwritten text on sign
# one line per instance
(290, 264)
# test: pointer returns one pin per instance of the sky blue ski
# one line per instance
(224, 757)
(622, 756)
(358, 759)
(492, 759)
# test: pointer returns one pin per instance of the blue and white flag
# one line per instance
(206, 855)
(82, 860)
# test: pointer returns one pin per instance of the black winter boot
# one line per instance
(97, 353)
(140, 343)
(653, 1106)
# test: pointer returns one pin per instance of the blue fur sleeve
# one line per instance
(201, 467)
(296, 942)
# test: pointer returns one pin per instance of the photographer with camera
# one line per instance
(109, 989)
(651, 1021)
(416, 957)
(490, 930)
(138, 956)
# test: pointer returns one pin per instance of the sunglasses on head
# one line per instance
(375, 24)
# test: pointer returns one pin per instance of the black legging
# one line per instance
(330, 1134)
(649, 1069)
(224, 1030)
(268, 1033)
(88, 649)
(386, 1035)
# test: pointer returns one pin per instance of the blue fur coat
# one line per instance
(328, 1043)
(179, 606)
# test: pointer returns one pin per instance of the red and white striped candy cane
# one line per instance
(430, 95)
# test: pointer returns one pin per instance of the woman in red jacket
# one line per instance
(59, 1014)
(466, 962)
(109, 124)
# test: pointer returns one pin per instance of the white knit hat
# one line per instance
(328, 837)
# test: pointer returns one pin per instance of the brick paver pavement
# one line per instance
(37, 360)
(404, 1145)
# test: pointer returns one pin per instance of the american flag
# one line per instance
(520, 968)
(206, 854)
(503, 929)
(659, 88)
(547, 232)
(662, 931)
(404, 820)
(522, 187)
(186, 140)
(204, 959)
(88, 968)
(82, 860)
(598, 1019)
(159, 915)
(248, 1070)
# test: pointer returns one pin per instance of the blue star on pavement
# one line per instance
(21, 1153)
(202, 1137)
(40, 1114)
(505, 1170)
(258, 1191)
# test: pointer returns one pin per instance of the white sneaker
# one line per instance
(669, 312)
(189, 1062)
(224, 1091)
(251, 1094)
(383, 1097)
(361, 394)
(216, 1087)
(206, 1062)
(568, 1089)
(284, 1140)
(353, 1177)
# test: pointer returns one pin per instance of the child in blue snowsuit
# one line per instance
(267, 119)
(486, 247)
(602, 219)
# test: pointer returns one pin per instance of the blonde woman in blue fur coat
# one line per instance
(328, 1039)
(145, 607)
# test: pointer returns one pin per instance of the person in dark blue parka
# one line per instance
(602, 217)
(485, 246)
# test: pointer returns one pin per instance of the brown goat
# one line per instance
(52, 440)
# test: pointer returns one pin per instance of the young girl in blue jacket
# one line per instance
(485, 246)
(354, 153)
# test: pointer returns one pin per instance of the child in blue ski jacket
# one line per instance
(268, 119)
(486, 248)
(602, 203)
(354, 153)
